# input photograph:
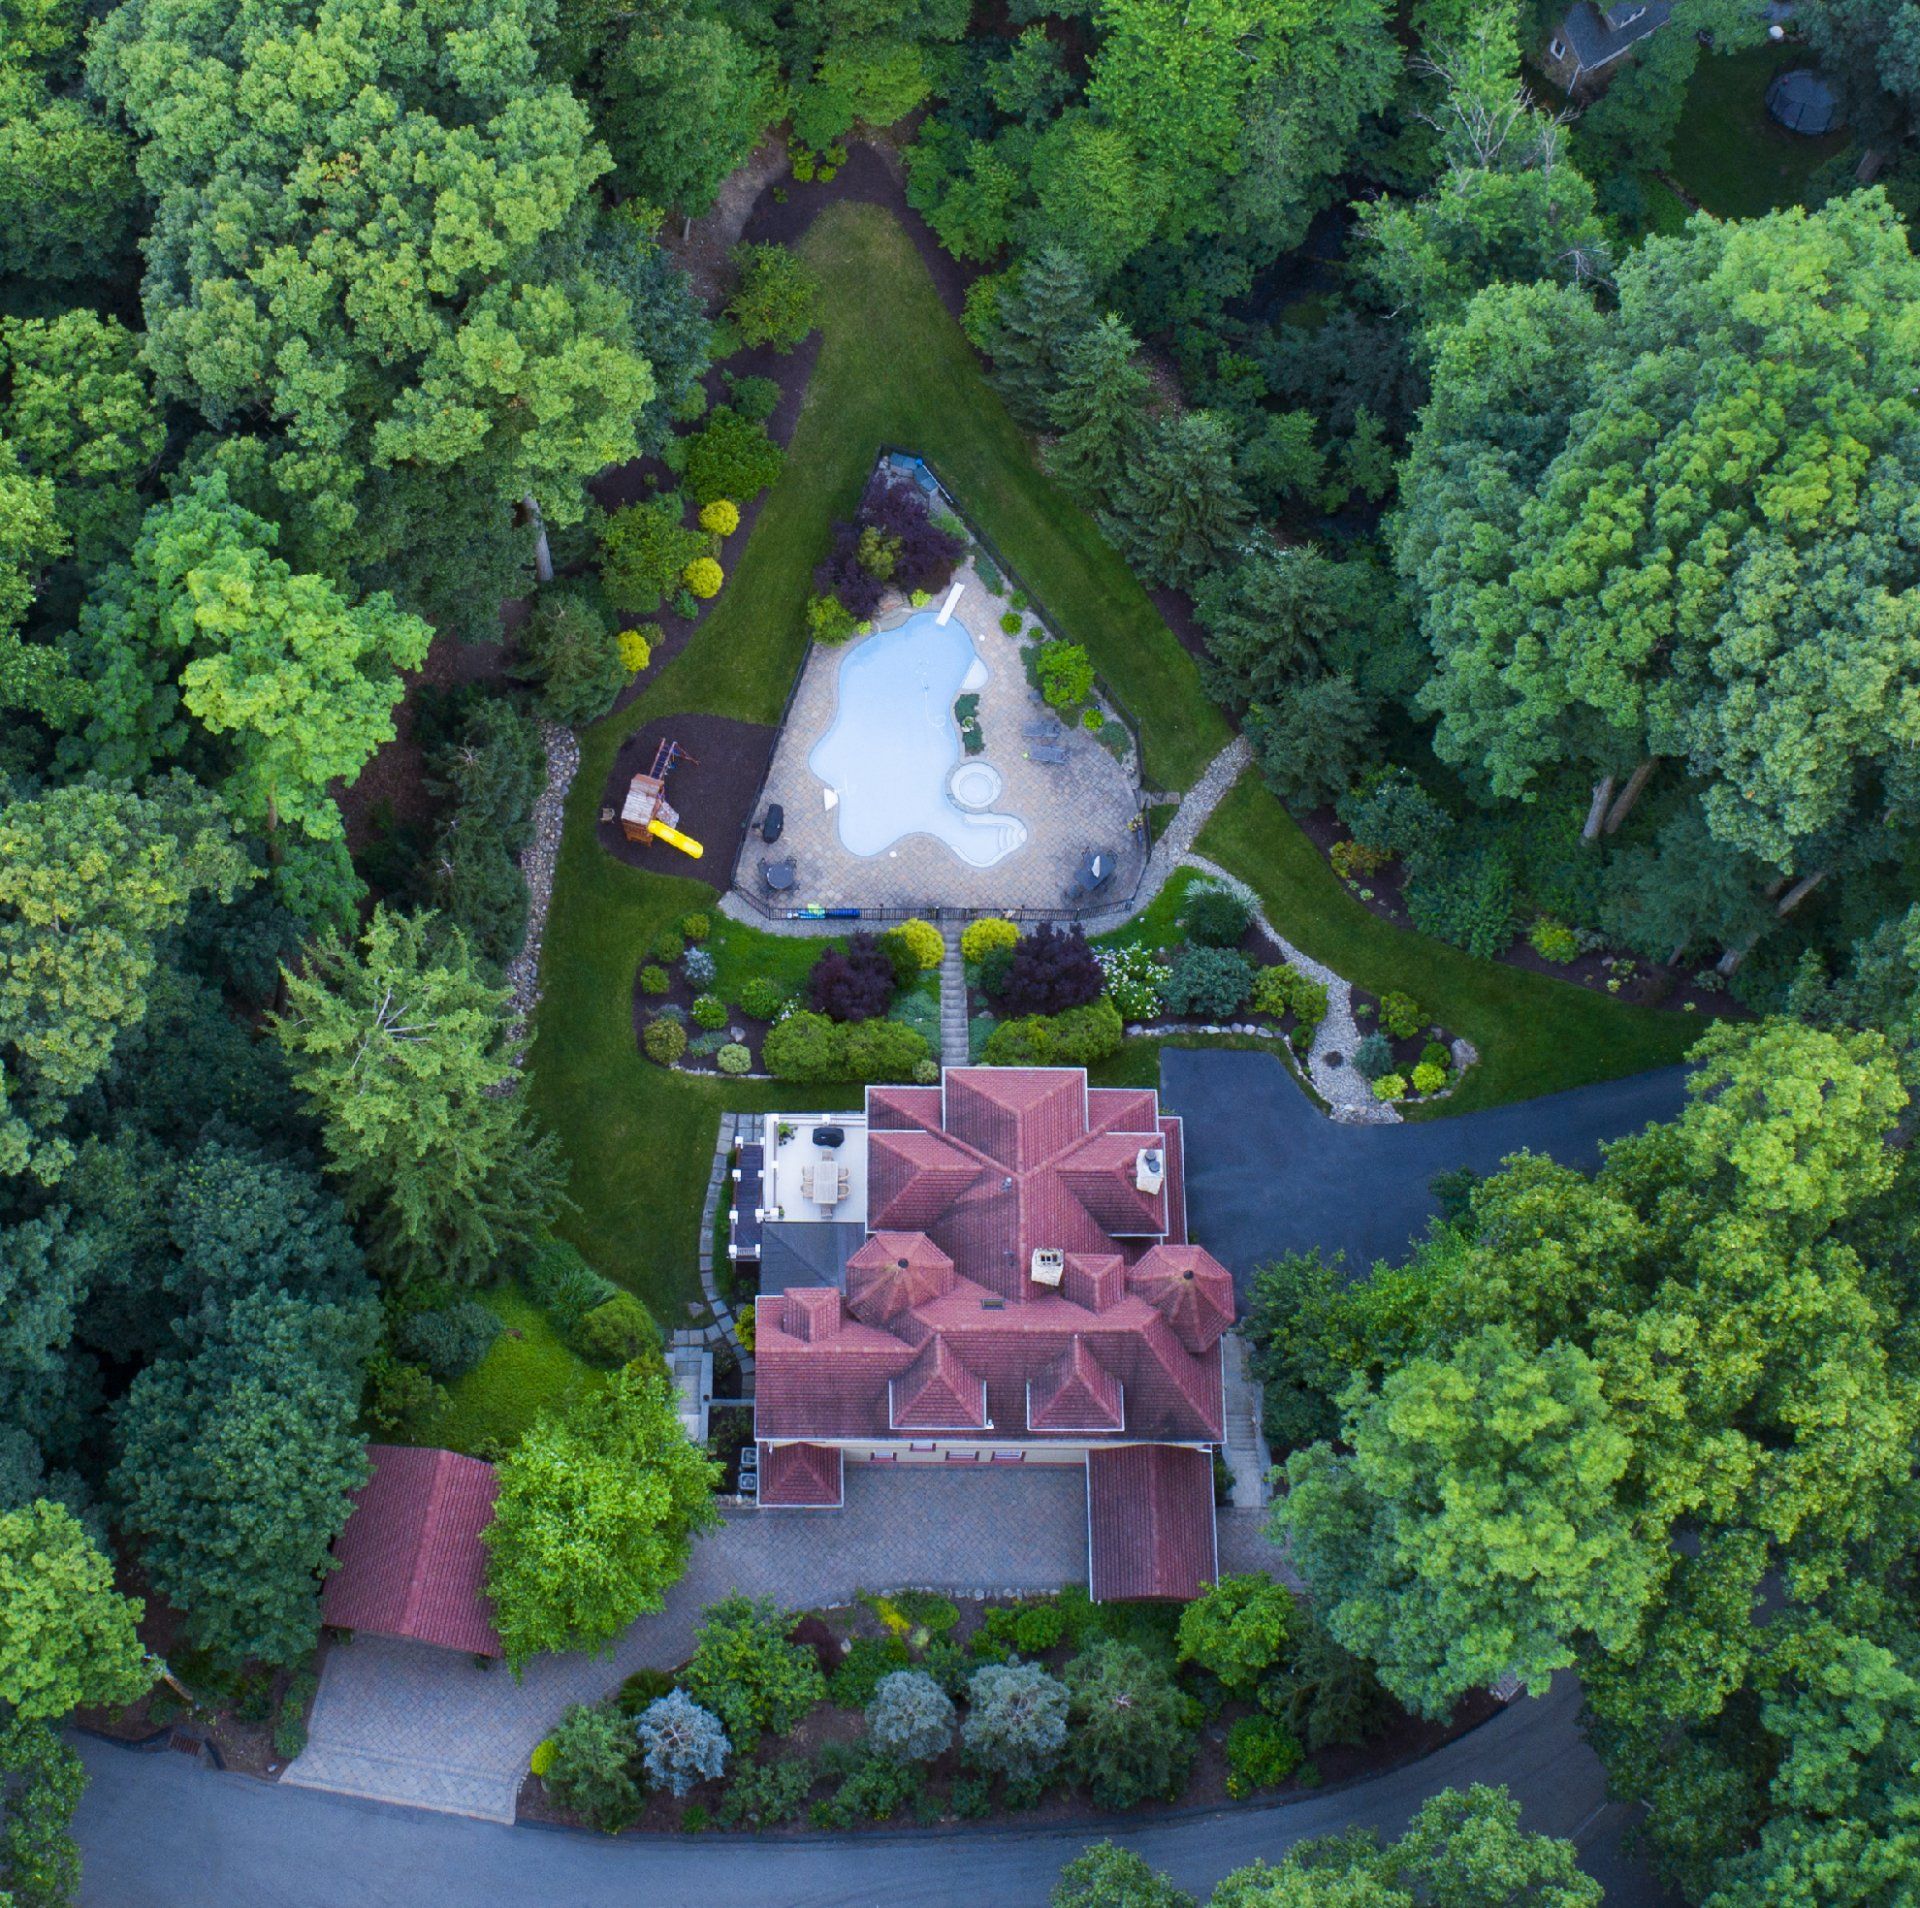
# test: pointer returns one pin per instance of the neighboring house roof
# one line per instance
(800, 1477)
(410, 1560)
(807, 1251)
(941, 1325)
(1597, 36)
(1150, 1530)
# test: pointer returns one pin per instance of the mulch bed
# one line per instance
(714, 791)
(1404, 1738)
(1651, 983)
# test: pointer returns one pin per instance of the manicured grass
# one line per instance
(740, 953)
(1729, 152)
(894, 368)
(529, 1370)
(1535, 1035)
(1157, 924)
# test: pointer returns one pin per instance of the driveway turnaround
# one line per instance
(428, 1728)
(158, 1831)
(1268, 1173)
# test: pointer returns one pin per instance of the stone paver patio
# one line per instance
(407, 1723)
(1086, 802)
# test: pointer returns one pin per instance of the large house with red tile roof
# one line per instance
(1019, 1289)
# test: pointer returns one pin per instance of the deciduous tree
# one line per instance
(67, 1636)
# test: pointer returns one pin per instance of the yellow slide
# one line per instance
(685, 843)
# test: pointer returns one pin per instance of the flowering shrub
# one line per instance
(699, 967)
(733, 1058)
(979, 938)
(1390, 1086)
(1427, 1078)
(704, 577)
(709, 1011)
(722, 516)
(1134, 979)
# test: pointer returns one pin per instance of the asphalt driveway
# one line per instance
(1268, 1172)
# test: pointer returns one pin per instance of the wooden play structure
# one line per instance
(647, 814)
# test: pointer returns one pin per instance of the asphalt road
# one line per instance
(1268, 1172)
(160, 1831)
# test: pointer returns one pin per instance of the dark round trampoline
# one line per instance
(1803, 102)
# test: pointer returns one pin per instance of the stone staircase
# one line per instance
(1246, 1449)
(953, 1004)
(409, 1779)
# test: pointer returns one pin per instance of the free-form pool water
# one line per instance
(894, 739)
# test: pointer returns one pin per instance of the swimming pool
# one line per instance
(893, 741)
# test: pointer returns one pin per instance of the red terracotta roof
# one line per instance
(1076, 1393)
(937, 1392)
(892, 1273)
(1150, 1529)
(410, 1559)
(1189, 1288)
(800, 1477)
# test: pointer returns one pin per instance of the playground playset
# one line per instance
(647, 814)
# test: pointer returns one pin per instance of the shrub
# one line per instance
(868, 1661)
(563, 1284)
(1208, 980)
(721, 518)
(644, 550)
(1390, 1086)
(829, 621)
(919, 598)
(1261, 1751)
(542, 1758)
(1050, 971)
(852, 984)
(646, 1685)
(929, 945)
(1016, 1722)
(452, 1342)
(1273, 990)
(591, 1770)
(703, 576)
(1039, 1626)
(1427, 1078)
(926, 1072)
(1134, 979)
(664, 1040)
(400, 1398)
(1131, 1739)
(1467, 897)
(756, 399)
(1012, 622)
(910, 1717)
(777, 297)
(1390, 812)
(617, 1331)
(636, 647)
(1353, 860)
(748, 1673)
(1309, 1000)
(699, 966)
(654, 979)
(290, 1719)
(979, 938)
(1239, 1629)
(1401, 1015)
(1554, 941)
(710, 1011)
(1215, 915)
(1093, 720)
(1327, 1695)
(872, 1788)
(1436, 1054)
(569, 646)
(1064, 671)
(680, 1743)
(734, 1059)
(761, 997)
(802, 1047)
(901, 957)
(1373, 1056)
(1081, 1037)
(731, 458)
(668, 946)
(877, 1050)
(765, 1794)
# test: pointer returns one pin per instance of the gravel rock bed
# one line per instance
(537, 862)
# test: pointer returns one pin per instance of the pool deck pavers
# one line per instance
(1088, 801)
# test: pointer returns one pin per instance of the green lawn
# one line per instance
(529, 1369)
(1729, 152)
(1535, 1034)
(895, 368)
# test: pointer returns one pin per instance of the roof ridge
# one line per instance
(418, 1574)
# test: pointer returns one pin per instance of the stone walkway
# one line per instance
(537, 864)
(953, 1003)
(407, 1723)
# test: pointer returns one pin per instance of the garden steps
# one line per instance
(953, 1003)
(409, 1779)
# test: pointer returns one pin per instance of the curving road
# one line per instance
(159, 1831)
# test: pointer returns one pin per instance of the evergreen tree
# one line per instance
(404, 1051)
(1179, 512)
(1044, 309)
(1097, 407)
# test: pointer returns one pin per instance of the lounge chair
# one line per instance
(1050, 752)
(1046, 731)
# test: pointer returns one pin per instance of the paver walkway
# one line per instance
(407, 1723)
(953, 1003)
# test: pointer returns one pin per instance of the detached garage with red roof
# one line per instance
(410, 1562)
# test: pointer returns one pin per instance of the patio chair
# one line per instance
(778, 875)
(1045, 731)
(1049, 752)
